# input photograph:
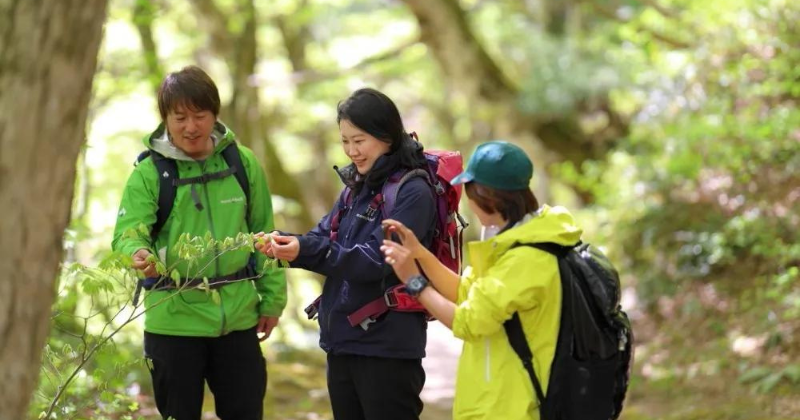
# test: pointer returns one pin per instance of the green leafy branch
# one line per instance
(109, 288)
(271, 262)
(191, 249)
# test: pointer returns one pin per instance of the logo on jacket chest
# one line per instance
(372, 210)
(232, 200)
(367, 217)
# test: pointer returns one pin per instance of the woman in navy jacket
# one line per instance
(375, 370)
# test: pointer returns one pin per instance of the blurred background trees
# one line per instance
(672, 127)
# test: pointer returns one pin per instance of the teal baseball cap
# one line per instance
(497, 164)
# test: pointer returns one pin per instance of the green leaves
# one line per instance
(792, 372)
(269, 264)
(115, 261)
(272, 263)
(95, 281)
(755, 374)
(247, 239)
(141, 232)
(765, 379)
(161, 268)
(176, 277)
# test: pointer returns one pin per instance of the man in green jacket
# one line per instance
(194, 335)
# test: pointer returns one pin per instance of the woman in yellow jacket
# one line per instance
(502, 279)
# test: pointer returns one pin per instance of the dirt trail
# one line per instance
(440, 369)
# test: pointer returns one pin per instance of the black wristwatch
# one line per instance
(415, 285)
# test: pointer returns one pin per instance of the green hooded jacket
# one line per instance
(491, 381)
(194, 312)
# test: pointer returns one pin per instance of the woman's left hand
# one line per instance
(399, 257)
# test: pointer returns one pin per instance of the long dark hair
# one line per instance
(376, 114)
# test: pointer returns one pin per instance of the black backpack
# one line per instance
(591, 368)
(168, 170)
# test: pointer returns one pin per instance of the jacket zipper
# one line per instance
(214, 236)
(488, 366)
(347, 210)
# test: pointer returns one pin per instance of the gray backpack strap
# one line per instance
(392, 188)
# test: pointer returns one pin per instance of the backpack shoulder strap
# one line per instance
(344, 201)
(550, 247)
(513, 327)
(392, 188)
(167, 170)
(142, 156)
(234, 160)
(516, 337)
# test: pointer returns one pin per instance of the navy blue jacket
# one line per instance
(357, 273)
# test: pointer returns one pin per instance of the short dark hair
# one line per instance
(513, 205)
(190, 87)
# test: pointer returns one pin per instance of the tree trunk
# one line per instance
(48, 55)
(445, 30)
(244, 113)
(465, 62)
(144, 13)
(295, 39)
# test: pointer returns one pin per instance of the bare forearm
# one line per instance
(443, 279)
(440, 307)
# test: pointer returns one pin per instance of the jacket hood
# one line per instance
(158, 141)
(548, 224)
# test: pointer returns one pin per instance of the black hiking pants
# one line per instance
(232, 365)
(375, 388)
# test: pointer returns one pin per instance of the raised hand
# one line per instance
(399, 257)
(407, 237)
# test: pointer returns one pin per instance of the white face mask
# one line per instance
(489, 231)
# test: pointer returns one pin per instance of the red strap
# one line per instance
(374, 205)
(405, 302)
(373, 310)
(312, 310)
(338, 216)
(395, 299)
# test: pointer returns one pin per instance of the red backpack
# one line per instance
(442, 167)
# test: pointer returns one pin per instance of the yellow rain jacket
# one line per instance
(491, 381)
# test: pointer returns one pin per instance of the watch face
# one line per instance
(415, 285)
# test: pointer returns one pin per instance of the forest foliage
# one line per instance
(671, 127)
